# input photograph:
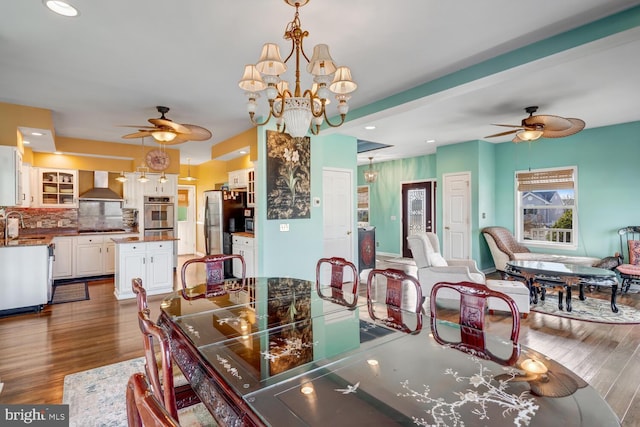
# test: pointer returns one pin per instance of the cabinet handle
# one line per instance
(152, 259)
(144, 260)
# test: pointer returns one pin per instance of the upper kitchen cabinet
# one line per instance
(156, 188)
(238, 179)
(10, 176)
(251, 188)
(58, 188)
(131, 192)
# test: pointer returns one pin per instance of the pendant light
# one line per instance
(370, 175)
(189, 177)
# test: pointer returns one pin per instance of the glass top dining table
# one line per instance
(273, 352)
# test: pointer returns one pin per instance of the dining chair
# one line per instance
(213, 275)
(471, 316)
(402, 296)
(143, 406)
(167, 380)
(340, 273)
(629, 270)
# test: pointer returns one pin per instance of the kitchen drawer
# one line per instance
(159, 246)
(131, 248)
(240, 240)
(89, 240)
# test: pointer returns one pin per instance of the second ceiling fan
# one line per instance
(168, 132)
(541, 126)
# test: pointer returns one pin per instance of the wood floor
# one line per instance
(37, 350)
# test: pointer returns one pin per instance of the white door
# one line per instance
(337, 196)
(456, 202)
(186, 219)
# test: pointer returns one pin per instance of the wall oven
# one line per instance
(158, 212)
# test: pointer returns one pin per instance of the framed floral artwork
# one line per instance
(288, 176)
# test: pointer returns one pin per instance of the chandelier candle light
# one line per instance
(298, 111)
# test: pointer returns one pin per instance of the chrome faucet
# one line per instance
(6, 224)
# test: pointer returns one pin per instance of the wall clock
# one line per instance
(157, 160)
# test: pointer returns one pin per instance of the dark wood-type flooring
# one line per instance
(37, 350)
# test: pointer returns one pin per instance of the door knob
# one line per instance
(349, 233)
(447, 228)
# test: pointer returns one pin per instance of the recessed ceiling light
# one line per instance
(370, 127)
(430, 141)
(37, 133)
(61, 7)
(25, 142)
(57, 152)
(243, 152)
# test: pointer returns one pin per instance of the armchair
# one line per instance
(504, 247)
(433, 268)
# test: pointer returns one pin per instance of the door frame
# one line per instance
(434, 189)
(445, 250)
(191, 214)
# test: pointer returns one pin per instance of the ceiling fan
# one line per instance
(168, 132)
(534, 127)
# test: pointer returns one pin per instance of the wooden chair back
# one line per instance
(473, 305)
(339, 267)
(143, 406)
(398, 300)
(214, 274)
(629, 269)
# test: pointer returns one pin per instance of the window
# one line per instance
(546, 207)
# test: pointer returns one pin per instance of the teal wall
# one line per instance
(608, 175)
(296, 252)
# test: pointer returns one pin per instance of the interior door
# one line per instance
(338, 208)
(418, 210)
(456, 216)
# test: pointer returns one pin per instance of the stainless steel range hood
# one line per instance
(101, 190)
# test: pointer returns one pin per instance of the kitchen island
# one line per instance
(148, 258)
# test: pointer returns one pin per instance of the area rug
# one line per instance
(70, 292)
(96, 398)
(590, 310)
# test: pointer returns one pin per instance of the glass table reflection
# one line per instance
(274, 353)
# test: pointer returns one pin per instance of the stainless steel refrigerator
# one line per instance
(223, 215)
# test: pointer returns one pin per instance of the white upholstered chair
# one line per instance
(433, 268)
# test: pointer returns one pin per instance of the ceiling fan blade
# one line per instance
(138, 126)
(198, 133)
(509, 126)
(552, 123)
(140, 134)
(576, 126)
(503, 133)
(169, 124)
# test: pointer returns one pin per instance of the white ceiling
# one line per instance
(114, 63)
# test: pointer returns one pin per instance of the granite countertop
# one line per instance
(243, 234)
(27, 241)
(143, 239)
(44, 236)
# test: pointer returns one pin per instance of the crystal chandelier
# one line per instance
(370, 175)
(297, 112)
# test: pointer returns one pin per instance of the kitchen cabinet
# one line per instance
(238, 179)
(95, 255)
(156, 188)
(243, 245)
(28, 177)
(10, 176)
(57, 188)
(132, 192)
(251, 188)
(150, 261)
(63, 257)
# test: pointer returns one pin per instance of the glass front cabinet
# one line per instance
(58, 188)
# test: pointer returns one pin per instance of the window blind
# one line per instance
(545, 180)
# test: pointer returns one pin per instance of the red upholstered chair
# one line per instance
(630, 251)
(210, 282)
(473, 305)
(403, 297)
(143, 406)
(337, 273)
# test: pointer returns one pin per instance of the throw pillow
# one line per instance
(634, 252)
(436, 260)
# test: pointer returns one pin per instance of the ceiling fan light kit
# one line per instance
(541, 126)
(297, 112)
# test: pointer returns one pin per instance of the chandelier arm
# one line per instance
(334, 125)
(255, 123)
